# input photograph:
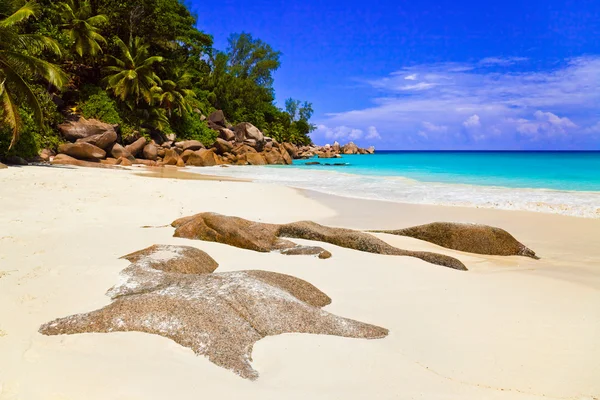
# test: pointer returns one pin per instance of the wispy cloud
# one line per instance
(502, 61)
(344, 134)
(472, 105)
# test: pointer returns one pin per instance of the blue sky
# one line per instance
(427, 74)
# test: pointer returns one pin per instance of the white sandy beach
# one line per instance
(509, 328)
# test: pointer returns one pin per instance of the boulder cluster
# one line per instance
(95, 143)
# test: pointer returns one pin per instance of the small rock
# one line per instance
(148, 163)
(190, 145)
(171, 157)
(218, 118)
(222, 146)
(136, 147)
(226, 134)
(255, 159)
(46, 155)
(101, 140)
(203, 158)
(63, 159)
(109, 161)
(150, 152)
(83, 128)
(124, 162)
(119, 151)
(82, 151)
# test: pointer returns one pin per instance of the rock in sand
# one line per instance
(219, 316)
(471, 238)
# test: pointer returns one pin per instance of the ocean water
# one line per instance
(555, 182)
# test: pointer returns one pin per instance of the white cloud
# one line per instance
(372, 134)
(419, 86)
(500, 61)
(434, 128)
(593, 129)
(412, 77)
(472, 122)
(545, 124)
(533, 109)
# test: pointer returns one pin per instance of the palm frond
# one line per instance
(10, 115)
(28, 10)
(35, 44)
(37, 67)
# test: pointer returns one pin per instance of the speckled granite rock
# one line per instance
(220, 316)
(472, 238)
(263, 237)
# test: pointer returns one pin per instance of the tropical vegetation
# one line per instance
(143, 65)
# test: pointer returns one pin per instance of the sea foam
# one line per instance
(404, 190)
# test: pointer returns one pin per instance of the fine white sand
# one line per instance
(510, 328)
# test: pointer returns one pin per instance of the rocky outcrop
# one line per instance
(350, 148)
(119, 151)
(102, 140)
(2, 166)
(264, 237)
(471, 238)
(83, 128)
(193, 145)
(249, 134)
(124, 162)
(172, 158)
(244, 145)
(226, 134)
(222, 146)
(179, 259)
(217, 118)
(63, 159)
(46, 154)
(136, 147)
(203, 158)
(255, 159)
(150, 152)
(219, 316)
(82, 151)
(275, 157)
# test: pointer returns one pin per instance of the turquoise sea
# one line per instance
(554, 182)
(539, 170)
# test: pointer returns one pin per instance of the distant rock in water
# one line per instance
(264, 237)
(472, 238)
(219, 316)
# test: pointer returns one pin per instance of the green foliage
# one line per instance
(21, 64)
(140, 64)
(191, 127)
(33, 138)
(99, 105)
(131, 77)
(83, 27)
(252, 59)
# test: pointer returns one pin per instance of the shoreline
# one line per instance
(580, 204)
(510, 328)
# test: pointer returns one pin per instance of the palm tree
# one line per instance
(174, 93)
(20, 64)
(83, 27)
(131, 78)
